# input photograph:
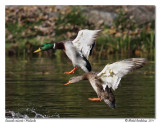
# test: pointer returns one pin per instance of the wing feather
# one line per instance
(85, 40)
(112, 73)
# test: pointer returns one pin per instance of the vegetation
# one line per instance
(127, 37)
(71, 23)
(29, 27)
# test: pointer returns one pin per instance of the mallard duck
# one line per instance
(109, 78)
(77, 50)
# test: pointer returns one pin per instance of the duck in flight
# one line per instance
(109, 78)
(77, 50)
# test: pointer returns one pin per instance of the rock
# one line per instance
(107, 14)
(142, 14)
(101, 17)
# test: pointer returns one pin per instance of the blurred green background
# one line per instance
(128, 30)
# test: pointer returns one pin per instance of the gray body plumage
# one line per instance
(80, 48)
(76, 57)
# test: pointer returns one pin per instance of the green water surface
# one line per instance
(38, 84)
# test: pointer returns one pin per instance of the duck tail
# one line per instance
(88, 65)
(110, 99)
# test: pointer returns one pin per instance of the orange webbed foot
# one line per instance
(68, 72)
(94, 99)
(71, 72)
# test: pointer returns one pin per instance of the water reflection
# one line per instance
(38, 83)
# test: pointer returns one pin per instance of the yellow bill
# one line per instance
(38, 50)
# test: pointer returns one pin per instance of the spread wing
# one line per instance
(85, 41)
(112, 73)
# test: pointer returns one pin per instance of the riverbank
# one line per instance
(124, 31)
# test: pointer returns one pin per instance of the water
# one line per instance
(35, 89)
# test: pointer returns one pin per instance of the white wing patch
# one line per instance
(112, 73)
(84, 41)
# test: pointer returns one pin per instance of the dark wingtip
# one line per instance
(139, 62)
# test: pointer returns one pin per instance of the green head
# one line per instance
(46, 46)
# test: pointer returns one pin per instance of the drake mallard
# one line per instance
(109, 78)
(77, 50)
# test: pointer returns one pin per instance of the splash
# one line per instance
(37, 115)
(12, 114)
